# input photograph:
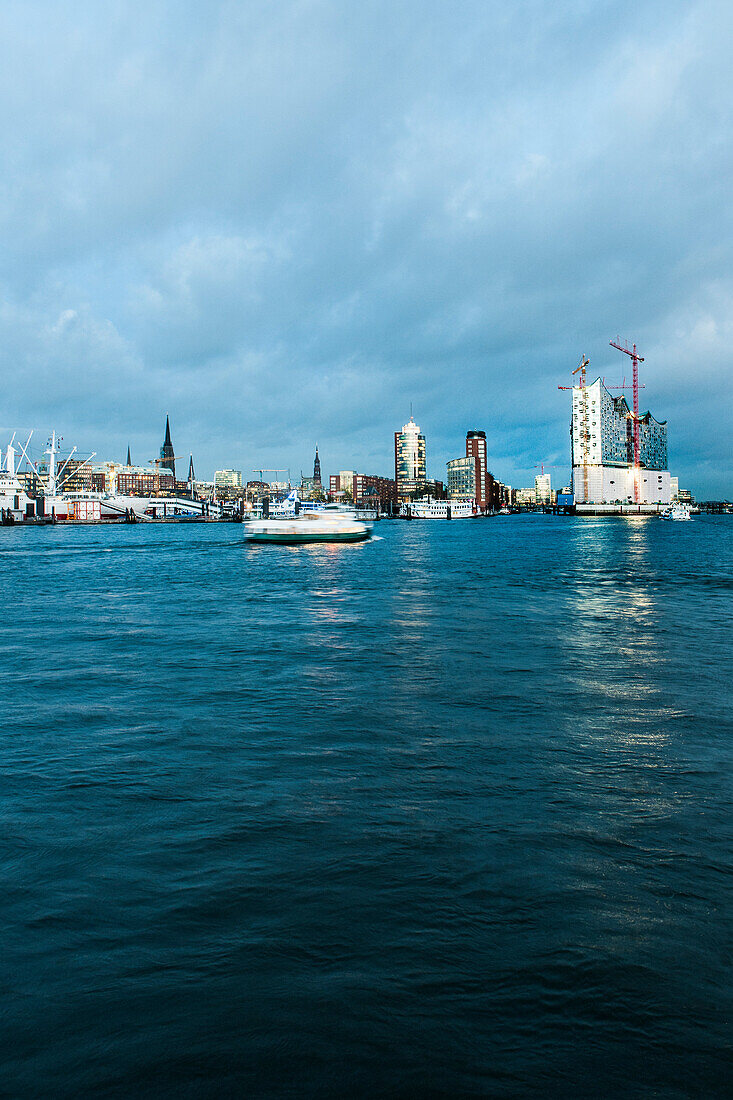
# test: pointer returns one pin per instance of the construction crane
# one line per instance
(284, 470)
(541, 465)
(585, 425)
(634, 416)
(623, 385)
(162, 461)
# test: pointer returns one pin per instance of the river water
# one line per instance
(444, 814)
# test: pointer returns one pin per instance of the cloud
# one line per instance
(285, 221)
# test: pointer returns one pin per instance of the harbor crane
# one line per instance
(634, 416)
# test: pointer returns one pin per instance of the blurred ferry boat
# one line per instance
(292, 505)
(309, 526)
(427, 508)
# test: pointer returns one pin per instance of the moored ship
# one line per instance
(427, 508)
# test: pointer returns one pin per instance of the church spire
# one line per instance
(129, 460)
(167, 454)
(317, 469)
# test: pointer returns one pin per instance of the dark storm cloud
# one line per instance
(283, 222)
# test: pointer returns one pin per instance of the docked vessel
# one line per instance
(307, 527)
(678, 511)
(15, 504)
(427, 508)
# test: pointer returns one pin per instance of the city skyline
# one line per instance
(402, 204)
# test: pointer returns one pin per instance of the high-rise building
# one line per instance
(167, 454)
(543, 489)
(476, 449)
(469, 478)
(317, 471)
(462, 478)
(409, 460)
(602, 450)
(228, 479)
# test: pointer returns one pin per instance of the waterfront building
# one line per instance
(469, 477)
(525, 496)
(602, 451)
(433, 488)
(167, 454)
(256, 490)
(370, 490)
(228, 479)
(476, 449)
(346, 481)
(142, 481)
(75, 476)
(366, 490)
(462, 478)
(409, 460)
(543, 489)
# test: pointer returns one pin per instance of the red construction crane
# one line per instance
(635, 359)
(623, 385)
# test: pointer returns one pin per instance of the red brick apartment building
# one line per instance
(368, 490)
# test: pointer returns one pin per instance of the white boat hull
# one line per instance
(306, 528)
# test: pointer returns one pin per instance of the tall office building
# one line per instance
(602, 450)
(167, 454)
(228, 479)
(462, 478)
(543, 489)
(476, 449)
(409, 460)
(468, 478)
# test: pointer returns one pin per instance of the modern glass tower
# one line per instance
(409, 460)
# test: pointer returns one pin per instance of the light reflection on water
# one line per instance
(448, 814)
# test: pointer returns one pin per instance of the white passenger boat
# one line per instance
(307, 527)
(427, 508)
(678, 511)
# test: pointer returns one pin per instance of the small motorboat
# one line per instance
(307, 527)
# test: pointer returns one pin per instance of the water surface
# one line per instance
(445, 814)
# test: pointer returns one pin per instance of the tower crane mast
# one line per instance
(635, 360)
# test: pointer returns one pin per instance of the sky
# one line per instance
(283, 222)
